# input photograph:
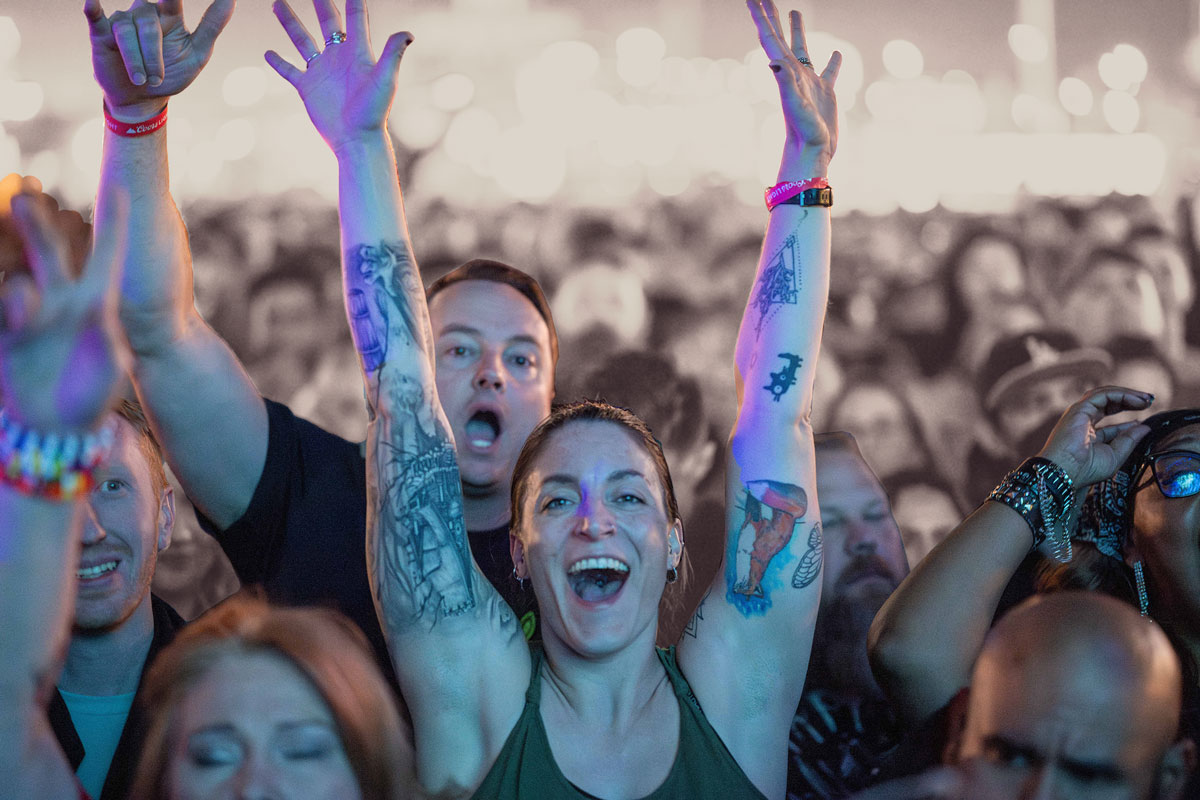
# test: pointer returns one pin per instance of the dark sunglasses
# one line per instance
(1177, 473)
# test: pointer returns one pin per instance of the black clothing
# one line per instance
(124, 764)
(837, 744)
(303, 536)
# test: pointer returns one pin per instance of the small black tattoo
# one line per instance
(785, 378)
(810, 563)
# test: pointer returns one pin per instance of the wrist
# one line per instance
(136, 112)
(804, 161)
(364, 146)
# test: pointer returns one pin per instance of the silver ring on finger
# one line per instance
(309, 59)
(806, 62)
(337, 37)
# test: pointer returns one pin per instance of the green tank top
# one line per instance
(525, 768)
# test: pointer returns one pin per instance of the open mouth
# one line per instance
(88, 573)
(597, 579)
(483, 429)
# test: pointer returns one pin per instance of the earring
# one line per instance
(672, 575)
(519, 579)
(1139, 577)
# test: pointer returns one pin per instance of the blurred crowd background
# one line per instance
(1015, 199)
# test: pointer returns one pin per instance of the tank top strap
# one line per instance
(533, 695)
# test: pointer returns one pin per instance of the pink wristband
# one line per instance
(131, 129)
(788, 189)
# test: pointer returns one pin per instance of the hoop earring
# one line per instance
(672, 575)
(1139, 576)
(519, 579)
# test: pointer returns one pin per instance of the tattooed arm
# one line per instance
(746, 653)
(460, 656)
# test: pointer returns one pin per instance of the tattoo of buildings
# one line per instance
(810, 563)
(426, 559)
(778, 284)
(785, 378)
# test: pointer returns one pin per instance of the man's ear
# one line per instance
(956, 725)
(516, 549)
(675, 544)
(1176, 767)
(166, 517)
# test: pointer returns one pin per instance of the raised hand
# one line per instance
(1090, 453)
(346, 92)
(809, 103)
(146, 54)
(61, 351)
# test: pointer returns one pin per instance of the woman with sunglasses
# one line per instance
(1141, 481)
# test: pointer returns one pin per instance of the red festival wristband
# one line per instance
(789, 189)
(131, 129)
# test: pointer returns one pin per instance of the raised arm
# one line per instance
(59, 365)
(205, 410)
(924, 641)
(460, 656)
(745, 653)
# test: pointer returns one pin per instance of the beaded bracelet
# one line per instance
(1044, 495)
(48, 465)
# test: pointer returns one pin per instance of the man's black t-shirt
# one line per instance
(303, 537)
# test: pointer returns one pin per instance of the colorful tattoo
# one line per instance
(772, 510)
(785, 378)
(810, 563)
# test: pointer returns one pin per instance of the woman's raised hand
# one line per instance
(346, 92)
(809, 103)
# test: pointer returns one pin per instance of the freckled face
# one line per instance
(255, 727)
(595, 538)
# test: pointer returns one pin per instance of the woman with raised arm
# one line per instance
(600, 712)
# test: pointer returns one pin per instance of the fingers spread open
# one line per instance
(799, 42)
(329, 17)
(357, 27)
(215, 18)
(768, 34)
(830, 73)
(389, 59)
(295, 29)
(126, 37)
(286, 71)
(45, 247)
(98, 24)
(149, 33)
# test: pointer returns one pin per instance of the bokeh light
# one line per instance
(1121, 111)
(640, 53)
(244, 86)
(903, 59)
(1028, 43)
(1076, 96)
(235, 139)
(10, 39)
(452, 91)
(20, 100)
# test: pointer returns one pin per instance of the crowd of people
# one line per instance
(305, 502)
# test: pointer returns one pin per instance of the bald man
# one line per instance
(1074, 696)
